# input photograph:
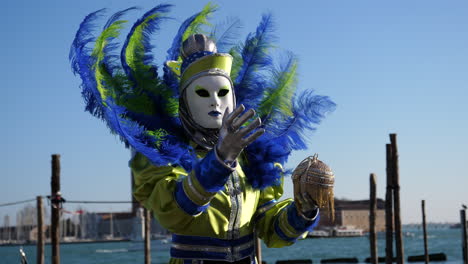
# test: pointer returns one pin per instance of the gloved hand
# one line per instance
(231, 139)
(306, 206)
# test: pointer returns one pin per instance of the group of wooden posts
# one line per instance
(392, 213)
(392, 216)
(392, 208)
(56, 204)
(55, 217)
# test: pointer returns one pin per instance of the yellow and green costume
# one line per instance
(215, 225)
(213, 210)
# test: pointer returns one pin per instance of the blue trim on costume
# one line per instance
(299, 223)
(193, 57)
(209, 241)
(185, 203)
(266, 204)
(185, 254)
(177, 253)
(211, 174)
(295, 221)
(247, 252)
(281, 234)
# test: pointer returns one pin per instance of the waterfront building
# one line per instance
(354, 214)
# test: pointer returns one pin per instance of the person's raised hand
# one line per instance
(234, 136)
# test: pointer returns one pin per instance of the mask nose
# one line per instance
(216, 101)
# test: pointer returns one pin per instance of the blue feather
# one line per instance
(308, 111)
(117, 16)
(282, 136)
(171, 150)
(81, 62)
(225, 34)
(171, 80)
(255, 58)
(174, 51)
(261, 156)
(83, 37)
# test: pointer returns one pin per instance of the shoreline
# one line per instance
(69, 242)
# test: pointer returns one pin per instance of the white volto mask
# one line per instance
(207, 98)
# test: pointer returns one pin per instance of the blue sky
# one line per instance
(391, 67)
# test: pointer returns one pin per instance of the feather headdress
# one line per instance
(142, 107)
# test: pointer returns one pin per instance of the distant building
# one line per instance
(354, 214)
(124, 225)
(87, 226)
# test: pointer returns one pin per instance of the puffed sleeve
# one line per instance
(175, 196)
(277, 222)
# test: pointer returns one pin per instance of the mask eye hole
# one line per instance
(223, 92)
(203, 93)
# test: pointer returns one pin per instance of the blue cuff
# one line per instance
(185, 203)
(211, 174)
(281, 234)
(299, 223)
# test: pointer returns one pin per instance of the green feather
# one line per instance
(117, 86)
(104, 81)
(195, 26)
(279, 97)
(159, 136)
(200, 20)
(236, 62)
(144, 76)
(135, 51)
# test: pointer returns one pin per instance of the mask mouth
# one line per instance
(215, 113)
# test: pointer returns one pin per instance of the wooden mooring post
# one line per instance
(55, 209)
(426, 253)
(258, 249)
(147, 217)
(389, 209)
(40, 232)
(372, 213)
(464, 236)
(400, 254)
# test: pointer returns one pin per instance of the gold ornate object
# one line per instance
(314, 178)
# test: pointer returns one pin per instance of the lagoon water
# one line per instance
(447, 241)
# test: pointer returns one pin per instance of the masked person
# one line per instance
(214, 180)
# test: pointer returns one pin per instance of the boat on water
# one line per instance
(347, 231)
(338, 231)
(318, 233)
